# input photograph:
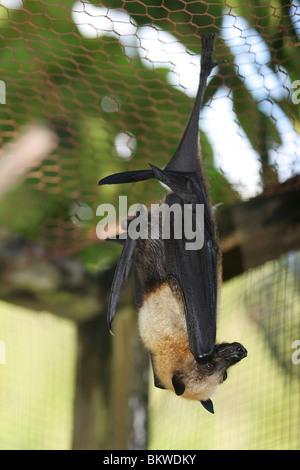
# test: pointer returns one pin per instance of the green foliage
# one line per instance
(58, 76)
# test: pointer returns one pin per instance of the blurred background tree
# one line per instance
(91, 88)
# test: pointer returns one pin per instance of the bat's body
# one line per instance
(176, 286)
(163, 330)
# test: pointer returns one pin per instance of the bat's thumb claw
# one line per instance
(208, 405)
(215, 64)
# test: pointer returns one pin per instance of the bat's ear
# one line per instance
(157, 381)
(178, 384)
(208, 405)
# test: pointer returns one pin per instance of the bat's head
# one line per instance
(199, 381)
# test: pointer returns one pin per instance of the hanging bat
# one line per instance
(176, 286)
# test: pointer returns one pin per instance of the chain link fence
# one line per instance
(92, 88)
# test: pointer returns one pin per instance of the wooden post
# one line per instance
(91, 408)
(111, 388)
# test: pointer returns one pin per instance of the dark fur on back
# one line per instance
(150, 264)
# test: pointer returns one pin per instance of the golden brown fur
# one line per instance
(163, 330)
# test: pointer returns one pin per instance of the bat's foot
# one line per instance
(208, 46)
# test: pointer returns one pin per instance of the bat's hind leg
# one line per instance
(207, 62)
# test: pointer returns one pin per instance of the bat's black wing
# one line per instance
(194, 271)
(120, 277)
(127, 177)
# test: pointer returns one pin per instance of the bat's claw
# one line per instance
(207, 62)
(215, 64)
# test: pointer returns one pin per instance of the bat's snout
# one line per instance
(231, 353)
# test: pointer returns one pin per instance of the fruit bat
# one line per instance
(177, 287)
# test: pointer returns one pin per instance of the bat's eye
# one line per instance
(210, 366)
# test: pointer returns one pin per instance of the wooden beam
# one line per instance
(32, 277)
(250, 233)
(261, 229)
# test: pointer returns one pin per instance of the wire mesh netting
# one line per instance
(258, 407)
(37, 379)
(92, 88)
(115, 82)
